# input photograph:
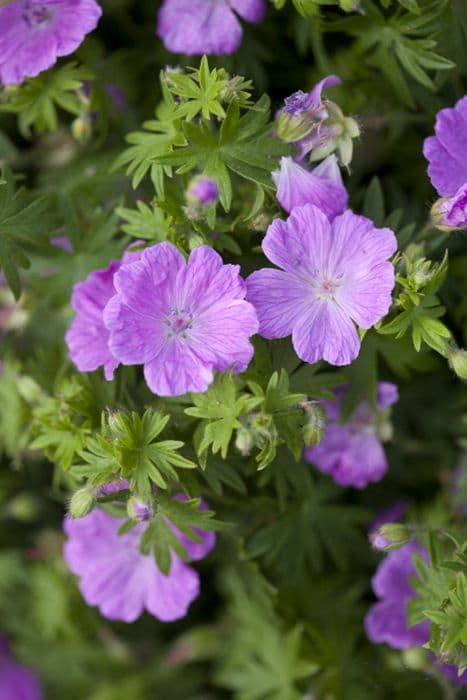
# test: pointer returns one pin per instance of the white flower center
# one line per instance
(325, 286)
(37, 15)
(178, 323)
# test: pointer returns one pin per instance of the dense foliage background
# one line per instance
(285, 591)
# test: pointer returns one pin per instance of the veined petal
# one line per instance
(325, 332)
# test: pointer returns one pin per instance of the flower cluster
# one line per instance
(446, 153)
(181, 320)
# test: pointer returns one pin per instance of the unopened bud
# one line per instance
(244, 441)
(82, 502)
(390, 536)
(137, 510)
(313, 430)
(415, 658)
(202, 191)
(457, 359)
(24, 507)
(450, 213)
(81, 128)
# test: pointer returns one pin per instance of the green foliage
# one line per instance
(126, 447)
(36, 101)
(219, 408)
(23, 221)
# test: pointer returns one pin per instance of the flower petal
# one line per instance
(325, 332)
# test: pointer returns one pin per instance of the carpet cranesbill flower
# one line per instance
(88, 338)
(121, 581)
(34, 33)
(17, 682)
(181, 320)
(196, 27)
(304, 111)
(333, 276)
(446, 151)
(392, 514)
(321, 186)
(352, 452)
(387, 619)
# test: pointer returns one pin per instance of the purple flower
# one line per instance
(120, 580)
(16, 682)
(352, 452)
(203, 191)
(88, 338)
(450, 672)
(446, 151)
(387, 619)
(333, 275)
(451, 212)
(196, 27)
(310, 102)
(181, 320)
(62, 242)
(34, 33)
(322, 186)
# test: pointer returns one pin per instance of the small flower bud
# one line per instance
(294, 127)
(23, 507)
(82, 502)
(313, 430)
(450, 213)
(457, 359)
(415, 658)
(202, 191)
(244, 441)
(390, 536)
(137, 510)
(81, 128)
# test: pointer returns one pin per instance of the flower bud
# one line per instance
(450, 213)
(137, 510)
(244, 441)
(294, 127)
(81, 128)
(202, 191)
(390, 536)
(415, 658)
(313, 430)
(457, 359)
(82, 502)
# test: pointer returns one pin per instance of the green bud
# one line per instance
(350, 5)
(313, 430)
(244, 441)
(457, 359)
(415, 658)
(195, 240)
(139, 510)
(82, 502)
(397, 534)
(23, 507)
(294, 127)
(81, 128)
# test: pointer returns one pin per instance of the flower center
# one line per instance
(37, 15)
(325, 287)
(178, 322)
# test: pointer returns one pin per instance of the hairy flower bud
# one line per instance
(390, 536)
(313, 430)
(202, 191)
(450, 213)
(457, 359)
(81, 128)
(82, 502)
(137, 510)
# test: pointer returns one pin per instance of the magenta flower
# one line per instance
(446, 151)
(196, 27)
(17, 682)
(386, 620)
(333, 276)
(203, 190)
(181, 320)
(321, 186)
(121, 581)
(88, 338)
(34, 33)
(352, 452)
